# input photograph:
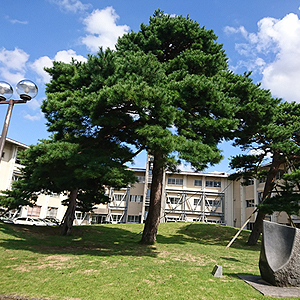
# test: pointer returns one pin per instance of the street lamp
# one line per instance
(26, 90)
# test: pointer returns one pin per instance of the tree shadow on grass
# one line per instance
(108, 240)
(100, 240)
(209, 234)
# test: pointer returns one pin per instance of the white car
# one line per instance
(29, 221)
(47, 222)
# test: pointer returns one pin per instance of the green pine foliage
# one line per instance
(172, 94)
(168, 92)
(272, 132)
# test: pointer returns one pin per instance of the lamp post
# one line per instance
(26, 90)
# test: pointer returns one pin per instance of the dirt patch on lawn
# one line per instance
(52, 261)
(196, 260)
(12, 297)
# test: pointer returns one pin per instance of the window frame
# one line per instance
(175, 181)
(198, 181)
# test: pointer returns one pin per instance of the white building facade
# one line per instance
(186, 197)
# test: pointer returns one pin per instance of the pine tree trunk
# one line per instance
(257, 229)
(153, 217)
(69, 216)
(258, 225)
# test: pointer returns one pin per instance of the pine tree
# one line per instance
(170, 93)
(273, 134)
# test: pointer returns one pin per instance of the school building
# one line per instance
(186, 197)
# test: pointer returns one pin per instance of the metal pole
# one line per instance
(126, 204)
(5, 127)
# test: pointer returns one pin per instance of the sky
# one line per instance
(261, 36)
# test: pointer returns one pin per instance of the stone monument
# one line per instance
(279, 261)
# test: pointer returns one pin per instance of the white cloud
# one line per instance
(274, 51)
(35, 117)
(257, 152)
(39, 65)
(34, 104)
(186, 167)
(13, 64)
(18, 22)
(11, 77)
(15, 59)
(67, 55)
(232, 30)
(72, 6)
(102, 29)
(46, 62)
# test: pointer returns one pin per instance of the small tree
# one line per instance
(277, 137)
(79, 159)
(98, 157)
(16, 198)
(63, 167)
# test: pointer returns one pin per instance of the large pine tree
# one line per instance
(170, 94)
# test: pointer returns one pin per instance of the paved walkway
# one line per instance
(270, 290)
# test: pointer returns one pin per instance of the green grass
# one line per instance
(107, 262)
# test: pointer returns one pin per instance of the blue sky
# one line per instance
(262, 36)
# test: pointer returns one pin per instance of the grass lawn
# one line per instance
(107, 262)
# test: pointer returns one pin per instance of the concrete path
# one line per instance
(270, 290)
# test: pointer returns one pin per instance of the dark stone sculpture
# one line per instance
(279, 261)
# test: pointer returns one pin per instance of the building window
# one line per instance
(279, 175)
(15, 177)
(116, 218)
(211, 183)
(198, 183)
(52, 212)
(148, 192)
(260, 197)
(118, 197)
(174, 200)
(78, 215)
(34, 211)
(150, 166)
(250, 226)
(3, 153)
(207, 202)
(18, 158)
(98, 219)
(250, 203)
(262, 180)
(197, 201)
(175, 181)
(141, 179)
(136, 198)
(213, 202)
(134, 219)
(251, 181)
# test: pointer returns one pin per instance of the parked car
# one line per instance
(6, 220)
(48, 222)
(29, 221)
(53, 220)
